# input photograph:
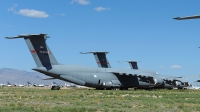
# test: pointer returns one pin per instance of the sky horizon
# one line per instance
(129, 30)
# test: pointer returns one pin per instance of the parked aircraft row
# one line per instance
(53, 85)
(8, 84)
(103, 77)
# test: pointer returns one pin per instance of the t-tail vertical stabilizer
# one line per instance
(100, 57)
(133, 64)
(39, 49)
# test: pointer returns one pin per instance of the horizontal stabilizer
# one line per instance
(143, 77)
(187, 17)
(94, 52)
(179, 77)
(27, 35)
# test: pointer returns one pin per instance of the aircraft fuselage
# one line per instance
(95, 77)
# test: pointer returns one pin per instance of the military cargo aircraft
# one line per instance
(102, 62)
(168, 81)
(106, 78)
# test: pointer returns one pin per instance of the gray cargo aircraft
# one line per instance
(168, 81)
(102, 62)
(107, 78)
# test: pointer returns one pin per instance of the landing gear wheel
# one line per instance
(112, 88)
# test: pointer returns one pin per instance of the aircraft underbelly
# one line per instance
(101, 80)
(73, 80)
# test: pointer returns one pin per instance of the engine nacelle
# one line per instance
(157, 81)
(169, 81)
(167, 85)
(177, 83)
(152, 80)
(185, 84)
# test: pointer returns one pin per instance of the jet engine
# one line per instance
(158, 81)
(151, 80)
(169, 81)
(177, 83)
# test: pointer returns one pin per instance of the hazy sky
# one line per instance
(140, 30)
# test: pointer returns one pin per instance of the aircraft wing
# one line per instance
(152, 78)
(25, 35)
(138, 74)
(187, 17)
(122, 73)
(143, 77)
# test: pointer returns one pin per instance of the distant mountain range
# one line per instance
(15, 76)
